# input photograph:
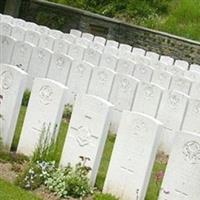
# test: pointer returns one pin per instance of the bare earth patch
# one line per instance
(7, 173)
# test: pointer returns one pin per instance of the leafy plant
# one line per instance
(67, 112)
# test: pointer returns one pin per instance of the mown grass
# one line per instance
(153, 186)
(9, 191)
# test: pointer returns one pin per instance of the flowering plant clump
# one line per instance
(64, 182)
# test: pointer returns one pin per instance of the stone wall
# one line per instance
(65, 17)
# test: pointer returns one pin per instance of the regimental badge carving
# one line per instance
(60, 62)
(22, 50)
(108, 60)
(191, 152)
(142, 70)
(139, 127)
(148, 92)
(102, 77)
(90, 52)
(41, 55)
(125, 64)
(180, 83)
(162, 77)
(196, 109)
(84, 136)
(45, 94)
(75, 51)
(173, 100)
(80, 69)
(6, 80)
(124, 85)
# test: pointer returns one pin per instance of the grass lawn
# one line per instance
(9, 191)
(153, 186)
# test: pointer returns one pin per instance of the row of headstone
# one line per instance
(130, 168)
(44, 38)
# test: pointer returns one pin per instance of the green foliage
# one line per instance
(173, 16)
(9, 191)
(67, 112)
(70, 182)
(46, 148)
(101, 196)
(26, 98)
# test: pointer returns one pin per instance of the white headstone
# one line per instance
(125, 66)
(44, 112)
(46, 41)
(171, 113)
(111, 50)
(44, 30)
(182, 63)
(195, 90)
(61, 46)
(143, 72)
(87, 133)
(7, 19)
(108, 61)
(176, 70)
(59, 68)
(181, 180)
(76, 51)
(193, 75)
(195, 67)
(79, 78)
(138, 51)
(31, 26)
(101, 82)
(161, 78)
(147, 99)
(6, 48)
(100, 40)
(12, 86)
(70, 38)
(18, 33)
(125, 47)
(152, 55)
(133, 156)
(32, 37)
(75, 32)
(192, 117)
(19, 22)
(97, 46)
(122, 95)
(92, 56)
(6, 29)
(83, 42)
(88, 36)
(39, 62)
(167, 60)
(112, 43)
(21, 55)
(181, 84)
(56, 33)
